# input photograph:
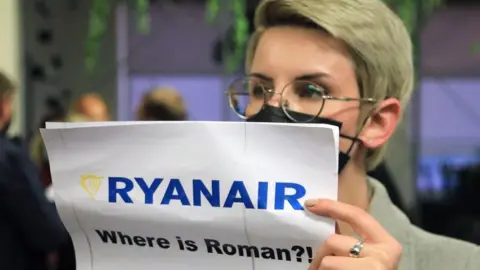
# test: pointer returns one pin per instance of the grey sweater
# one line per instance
(421, 250)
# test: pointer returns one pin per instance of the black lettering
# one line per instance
(150, 241)
(248, 251)
(309, 251)
(139, 241)
(229, 249)
(191, 245)
(107, 236)
(180, 243)
(125, 238)
(163, 243)
(268, 253)
(213, 246)
(283, 254)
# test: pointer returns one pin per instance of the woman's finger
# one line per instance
(344, 263)
(361, 221)
(337, 245)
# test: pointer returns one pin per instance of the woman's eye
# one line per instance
(257, 90)
(310, 90)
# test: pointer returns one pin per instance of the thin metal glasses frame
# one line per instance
(270, 92)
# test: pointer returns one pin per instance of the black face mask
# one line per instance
(270, 114)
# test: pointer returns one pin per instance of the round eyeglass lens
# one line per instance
(246, 97)
(302, 101)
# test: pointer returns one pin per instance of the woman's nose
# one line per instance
(274, 98)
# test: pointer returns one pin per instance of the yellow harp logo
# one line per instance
(91, 184)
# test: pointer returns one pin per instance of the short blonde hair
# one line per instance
(379, 42)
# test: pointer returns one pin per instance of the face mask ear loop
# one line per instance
(355, 139)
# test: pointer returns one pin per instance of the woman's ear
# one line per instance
(381, 124)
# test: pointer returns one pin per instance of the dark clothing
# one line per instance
(29, 225)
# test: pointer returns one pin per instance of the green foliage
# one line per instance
(97, 26)
(476, 47)
(101, 10)
(407, 10)
(143, 15)
(212, 10)
(237, 8)
(241, 35)
(99, 21)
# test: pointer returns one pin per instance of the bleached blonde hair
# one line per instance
(379, 43)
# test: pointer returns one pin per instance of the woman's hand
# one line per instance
(380, 250)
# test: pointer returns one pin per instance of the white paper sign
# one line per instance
(193, 195)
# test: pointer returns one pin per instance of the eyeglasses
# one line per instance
(247, 96)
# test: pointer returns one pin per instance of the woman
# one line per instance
(346, 63)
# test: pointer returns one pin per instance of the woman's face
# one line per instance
(287, 54)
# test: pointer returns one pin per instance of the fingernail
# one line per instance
(310, 202)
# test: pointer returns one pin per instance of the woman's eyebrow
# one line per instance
(306, 77)
(312, 76)
(261, 76)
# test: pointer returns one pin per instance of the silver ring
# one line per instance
(356, 249)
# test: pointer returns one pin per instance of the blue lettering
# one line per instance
(238, 187)
(262, 195)
(175, 191)
(286, 194)
(281, 197)
(149, 191)
(200, 189)
(113, 189)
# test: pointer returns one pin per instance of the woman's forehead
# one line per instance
(297, 51)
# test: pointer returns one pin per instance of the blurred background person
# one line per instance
(89, 107)
(55, 113)
(66, 258)
(92, 106)
(162, 104)
(30, 230)
(71, 118)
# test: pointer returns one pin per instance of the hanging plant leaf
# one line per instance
(476, 47)
(407, 11)
(430, 6)
(212, 10)
(143, 15)
(97, 26)
(98, 22)
(240, 27)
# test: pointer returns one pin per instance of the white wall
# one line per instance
(11, 55)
